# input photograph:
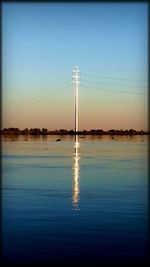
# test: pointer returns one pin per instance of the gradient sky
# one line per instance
(41, 44)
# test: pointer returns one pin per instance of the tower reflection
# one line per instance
(76, 172)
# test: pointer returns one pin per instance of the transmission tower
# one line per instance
(76, 81)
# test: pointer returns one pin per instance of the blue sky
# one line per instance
(41, 43)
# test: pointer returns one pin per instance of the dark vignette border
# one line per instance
(146, 263)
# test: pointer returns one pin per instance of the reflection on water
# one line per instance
(106, 225)
(76, 169)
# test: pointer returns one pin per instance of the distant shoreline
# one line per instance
(44, 131)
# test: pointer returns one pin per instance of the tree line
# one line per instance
(45, 131)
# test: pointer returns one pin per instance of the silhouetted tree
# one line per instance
(44, 131)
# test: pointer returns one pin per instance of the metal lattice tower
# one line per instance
(76, 81)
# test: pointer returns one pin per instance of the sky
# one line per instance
(41, 44)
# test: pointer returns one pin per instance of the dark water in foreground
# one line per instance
(85, 204)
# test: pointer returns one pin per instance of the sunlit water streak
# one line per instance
(76, 173)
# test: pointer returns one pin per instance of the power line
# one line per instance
(112, 90)
(44, 94)
(113, 84)
(114, 78)
(55, 86)
(63, 84)
(45, 98)
(39, 102)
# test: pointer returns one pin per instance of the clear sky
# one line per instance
(41, 44)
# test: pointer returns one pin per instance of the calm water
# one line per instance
(67, 202)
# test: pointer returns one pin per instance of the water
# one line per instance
(82, 203)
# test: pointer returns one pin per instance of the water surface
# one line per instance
(67, 202)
